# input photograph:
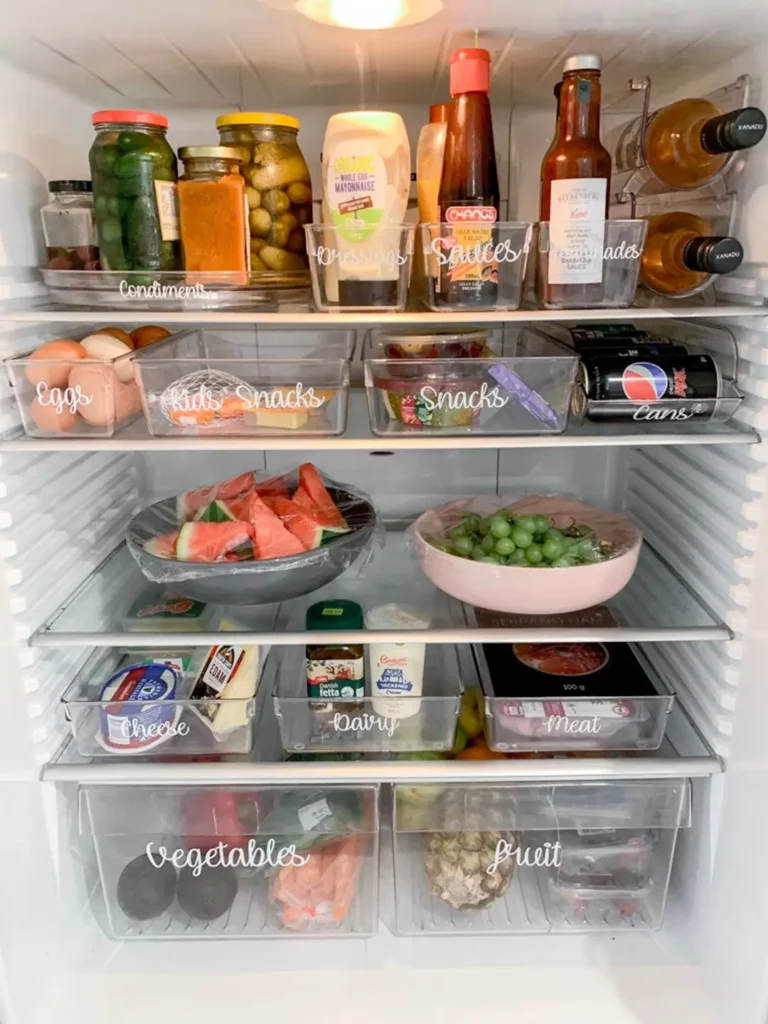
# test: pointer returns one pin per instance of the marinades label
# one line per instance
(356, 190)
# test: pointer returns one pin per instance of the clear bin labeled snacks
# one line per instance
(169, 703)
(523, 858)
(278, 187)
(134, 191)
(69, 227)
(234, 862)
(377, 722)
(454, 383)
(496, 253)
(249, 541)
(198, 383)
(599, 268)
(356, 274)
(212, 210)
(76, 388)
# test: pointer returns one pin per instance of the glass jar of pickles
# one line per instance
(134, 191)
(278, 187)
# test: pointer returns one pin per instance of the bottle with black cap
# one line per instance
(688, 143)
(681, 254)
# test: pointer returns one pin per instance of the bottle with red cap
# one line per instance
(469, 187)
(133, 170)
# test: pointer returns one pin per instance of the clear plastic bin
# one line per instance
(621, 244)
(77, 398)
(361, 276)
(177, 727)
(233, 862)
(311, 726)
(486, 860)
(526, 391)
(198, 383)
(499, 263)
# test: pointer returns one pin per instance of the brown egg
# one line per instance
(62, 351)
(120, 334)
(97, 386)
(53, 420)
(127, 401)
(148, 335)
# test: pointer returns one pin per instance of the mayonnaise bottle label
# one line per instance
(356, 190)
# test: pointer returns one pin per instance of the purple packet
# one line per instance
(527, 397)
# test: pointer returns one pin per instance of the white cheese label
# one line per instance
(577, 230)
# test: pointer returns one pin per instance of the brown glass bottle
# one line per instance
(575, 179)
(469, 187)
(681, 254)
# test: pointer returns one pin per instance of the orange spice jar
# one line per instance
(212, 210)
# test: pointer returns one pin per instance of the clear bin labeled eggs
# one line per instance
(71, 388)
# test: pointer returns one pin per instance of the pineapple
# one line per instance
(457, 868)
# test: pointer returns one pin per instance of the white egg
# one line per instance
(107, 348)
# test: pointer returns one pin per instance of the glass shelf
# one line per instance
(656, 605)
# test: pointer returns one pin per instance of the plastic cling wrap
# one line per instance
(251, 541)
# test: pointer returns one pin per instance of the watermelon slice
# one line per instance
(271, 539)
(217, 512)
(312, 495)
(163, 546)
(303, 523)
(274, 487)
(189, 502)
(211, 542)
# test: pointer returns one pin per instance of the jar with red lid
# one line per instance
(133, 169)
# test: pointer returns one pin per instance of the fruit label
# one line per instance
(356, 190)
(168, 210)
(577, 230)
(548, 855)
(342, 677)
(254, 855)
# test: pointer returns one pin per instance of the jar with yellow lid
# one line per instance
(278, 187)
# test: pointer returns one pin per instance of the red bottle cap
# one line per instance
(129, 117)
(470, 70)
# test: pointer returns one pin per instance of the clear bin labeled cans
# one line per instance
(360, 271)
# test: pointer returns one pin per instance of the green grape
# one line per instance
(483, 527)
(456, 532)
(552, 549)
(504, 546)
(463, 546)
(542, 523)
(491, 559)
(527, 523)
(553, 534)
(533, 554)
(522, 538)
(471, 521)
(477, 553)
(505, 514)
(518, 557)
(563, 562)
(500, 527)
(569, 543)
(488, 544)
(586, 548)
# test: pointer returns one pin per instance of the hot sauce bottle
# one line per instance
(469, 187)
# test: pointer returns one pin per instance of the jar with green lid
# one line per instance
(335, 670)
(134, 191)
(278, 187)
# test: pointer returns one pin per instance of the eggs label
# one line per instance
(219, 856)
(62, 398)
(548, 855)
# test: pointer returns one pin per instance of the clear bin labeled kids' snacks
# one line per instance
(134, 191)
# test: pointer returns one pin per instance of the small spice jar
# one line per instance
(69, 227)
(335, 670)
(214, 230)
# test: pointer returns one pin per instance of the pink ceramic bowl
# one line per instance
(534, 591)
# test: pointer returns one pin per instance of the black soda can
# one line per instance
(672, 388)
(630, 350)
(598, 334)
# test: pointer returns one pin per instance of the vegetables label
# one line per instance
(356, 190)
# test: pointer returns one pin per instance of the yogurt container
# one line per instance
(396, 671)
(141, 711)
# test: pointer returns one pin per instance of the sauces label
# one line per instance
(168, 210)
(356, 190)
(343, 677)
(577, 230)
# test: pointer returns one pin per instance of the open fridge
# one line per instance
(679, 813)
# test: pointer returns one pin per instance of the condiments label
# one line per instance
(168, 210)
(342, 677)
(356, 190)
(577, 230)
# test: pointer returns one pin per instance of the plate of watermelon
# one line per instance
(251, 541)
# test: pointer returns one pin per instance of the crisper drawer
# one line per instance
(214, 862)
(519, 858)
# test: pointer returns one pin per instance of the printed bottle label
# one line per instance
(577, 230)
(168, 210)
(336, 678)
(356, 190)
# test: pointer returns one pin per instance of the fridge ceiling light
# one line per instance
(359, 14)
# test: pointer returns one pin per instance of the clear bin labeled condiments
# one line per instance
(212, 210)
(278, 187)
(134, 190)
(69, 227)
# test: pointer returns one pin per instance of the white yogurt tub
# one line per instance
(396, 671)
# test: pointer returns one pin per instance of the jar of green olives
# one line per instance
(278, 187)
(133, 169)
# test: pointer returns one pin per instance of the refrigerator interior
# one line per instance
(703, 507)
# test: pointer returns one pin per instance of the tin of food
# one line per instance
(141, 712)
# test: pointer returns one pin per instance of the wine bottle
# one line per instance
(681, 254)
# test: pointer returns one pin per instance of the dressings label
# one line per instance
(577, 230)
(356, 190)
(168, 210)
(343, 677)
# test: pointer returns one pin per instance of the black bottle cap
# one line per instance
(738, 129)
(713, 254)
(69, 186)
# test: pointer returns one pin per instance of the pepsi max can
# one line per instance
(630, 350)
(665, 387)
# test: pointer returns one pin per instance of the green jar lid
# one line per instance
(335, 615)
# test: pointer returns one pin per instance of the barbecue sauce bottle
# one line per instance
(469, 187)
